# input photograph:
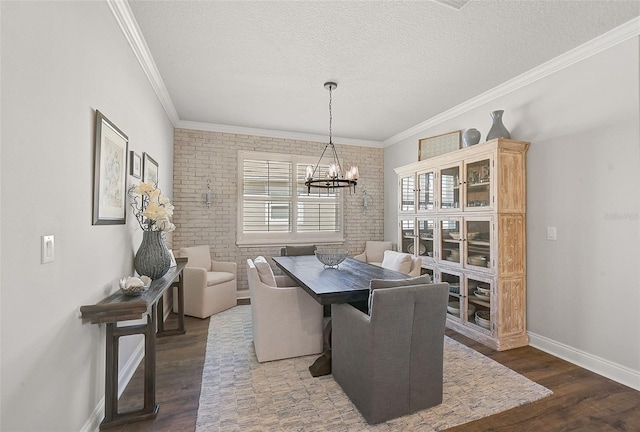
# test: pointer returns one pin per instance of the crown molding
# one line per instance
(453, 4)
(617, 35)
(127, 22)
(297, 136)
(124, 16)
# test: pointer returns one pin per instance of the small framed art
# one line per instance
(149, 169)
(439, 144)
(135, 164)
(109, 173)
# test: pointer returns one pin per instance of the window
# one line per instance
(274, 205)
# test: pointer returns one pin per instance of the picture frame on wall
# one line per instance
(110, 173)
(135, 164)
(149, 169)
(439, 144)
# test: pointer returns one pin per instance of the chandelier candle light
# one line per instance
(334, 178)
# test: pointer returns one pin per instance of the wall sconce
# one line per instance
(366, 201)
(207, 196)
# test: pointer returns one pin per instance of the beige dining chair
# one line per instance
(286, 321)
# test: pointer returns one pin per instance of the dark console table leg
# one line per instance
(179, 284)
(111, 415)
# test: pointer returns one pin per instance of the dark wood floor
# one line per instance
(581, 401)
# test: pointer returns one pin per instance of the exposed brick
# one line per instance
(203, 157)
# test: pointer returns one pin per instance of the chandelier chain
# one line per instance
(330, 117)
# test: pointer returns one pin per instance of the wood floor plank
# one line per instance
(582, 401)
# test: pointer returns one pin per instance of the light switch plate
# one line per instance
(47, 249)
(552, 233)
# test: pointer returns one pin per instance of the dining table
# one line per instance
(348, 282)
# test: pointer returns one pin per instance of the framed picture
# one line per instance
(135, 164)
(110, 173)
(149, 169)
(439, 144)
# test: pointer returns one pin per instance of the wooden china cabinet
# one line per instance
(464, 213)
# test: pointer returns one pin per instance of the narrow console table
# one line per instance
(119, 307)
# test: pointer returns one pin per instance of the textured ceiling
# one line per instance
(262, 64)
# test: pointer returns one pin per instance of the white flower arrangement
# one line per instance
(151, 209)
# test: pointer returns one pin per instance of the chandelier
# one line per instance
(334, 178)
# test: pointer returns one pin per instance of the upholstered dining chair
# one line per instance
(209, 286)
(297, 250)
(402, 262)
(374, 251)
(390, 362)
(286, 321)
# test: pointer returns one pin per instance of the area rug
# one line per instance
(240, 394)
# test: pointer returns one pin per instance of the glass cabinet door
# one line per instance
(477, 242)
(430, 271)
(456, 301)
(478, 184)
(426, 191)
(450, 239)
(408, 194)
(450, 188)
(426, 239)
(407, 236)
(480, 292)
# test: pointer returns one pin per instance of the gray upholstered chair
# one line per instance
(390, 362)
(296, 250)
(374, 252)
(286, 321)
(209, 286)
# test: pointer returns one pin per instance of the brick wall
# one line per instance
(201, 157)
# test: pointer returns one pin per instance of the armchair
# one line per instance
(209, 286)
(390, 363)
(402, 262)
(374, 252)
(286, 321)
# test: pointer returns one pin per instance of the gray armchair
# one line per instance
(389, 363)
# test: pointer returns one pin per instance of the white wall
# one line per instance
(60, 62)
(583, 168)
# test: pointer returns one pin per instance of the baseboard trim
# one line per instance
(606, 368)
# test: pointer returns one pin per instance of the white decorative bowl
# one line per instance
(454, 308)
(483, 291)
(481, 296)
(133, 286)
(483, 319)
(478, 260)
(331, 259)
(454, 235)
(472, 235)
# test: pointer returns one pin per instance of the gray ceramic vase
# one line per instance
(470, 137)
(153, 258)
(497, 128)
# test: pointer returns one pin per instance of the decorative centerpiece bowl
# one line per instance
(332, 259)
(483, 319)
(133, 286)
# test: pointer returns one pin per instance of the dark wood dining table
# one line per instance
(348, 283)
